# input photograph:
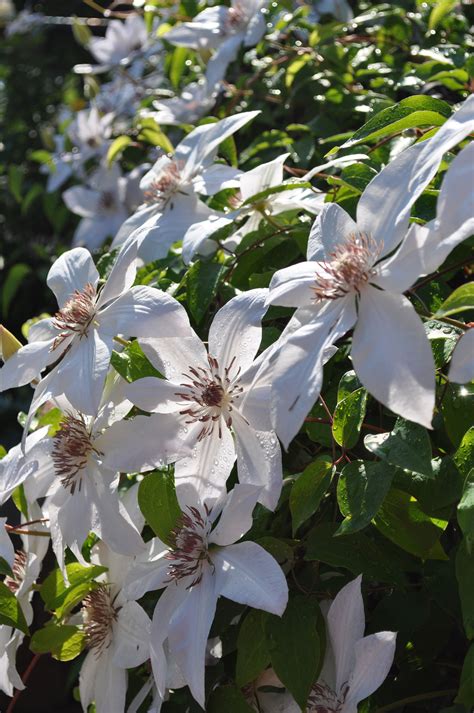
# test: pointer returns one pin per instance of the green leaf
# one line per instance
(202, 283)
(348, 418)
(466, 509)
(401, 520)
(252, 651)
(229, 699)
(464, 456)
(295, 646)
(19, 498)
(15, 181)
(465, 577)
(64, 642)
(132, 363)
(439, 12)
(407, 446)
(356, 553)
(466, 686)
(457, 408)
(348, 384)
(262, 195)
(159, 504)
(151, 133)
(11, 613)
(228, 150)
(61, 597)
(361, 490)
(411, 112)
(308, 490)
(117, 147)
(178, 63)
(460, 300)
(12, 282)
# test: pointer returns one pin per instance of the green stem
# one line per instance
(415, 699)
(447, 320)
(123, 342)
(271, 220)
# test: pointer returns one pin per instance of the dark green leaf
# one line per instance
(460, 300)
(361, 491)
(62, 597)
(308, 490)
(64, 642)
(159, 504)
(11, 613)
(348, 418)
(228, 699)
(465, 577)
(407, 446)
(252, 652)
(202, 283)
(132, 363)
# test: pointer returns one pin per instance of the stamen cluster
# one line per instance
(160, 190)
(235, 19)
(210, 395)
(13, 581)
(189, 550)
(99, 614)
(76, 315)
(323, 699)
(71, 449)
(350, 268)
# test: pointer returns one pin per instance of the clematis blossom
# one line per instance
(203, 563)
(26, 568)
(355, 276)
(354, 665)
(77, 341)
(196, 100)
(253, 207)
(104, 204)
(171, 188)
(117, 628)
(207, 395)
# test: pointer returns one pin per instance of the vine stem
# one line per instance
(327, 422)
(123, 342)
(25, 678)
(415, 699)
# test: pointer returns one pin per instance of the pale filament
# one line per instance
(72, 446)
(323, 699)
(350, 267)
(14, 580)
(161, 189)
(99, 615)
(189, 550)
(76, 315)
(210, 393)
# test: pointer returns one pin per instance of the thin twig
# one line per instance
(25, 678)
(415, 699)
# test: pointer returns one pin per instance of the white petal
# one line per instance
(174, 357)
(402, 269)
(133, 223)
(81, 374)
(110, 520)
(82, 201)
(392, 356)
(204, 473)
(217, 66)
(236, 517)
(189, 631)
(155, 395)
(26, 364)
(462, 360)
(332, 226)
(122, 274)
(72, 271)
(216, 178)
(149, 571)
(142, 443)
(247, 574)
(197, 234)
(456, 201)
(373, 660)
(7, 551)
(235, 333)
(144, 312)
(258, 460)
(131, 644)
(169, 601)
(346, 624)
(293, 286)
(264, 176)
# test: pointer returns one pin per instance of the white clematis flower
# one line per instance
(117, 628)
(172, 186)
(26, 568)
(104, 204)
(354, 665)
(7, 551)
(202, 564)
(354, 277)
(207, 395)
(196, 100)
(78, 340)
(223, 29)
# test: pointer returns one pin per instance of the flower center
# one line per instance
(76, 315)
(235, 21)
(107, 200)
(72, 444)
(350, 268)
(99, 615)
(161, 189)
(189, 550)
(323, 699)
(210, 395)
(14, 580)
